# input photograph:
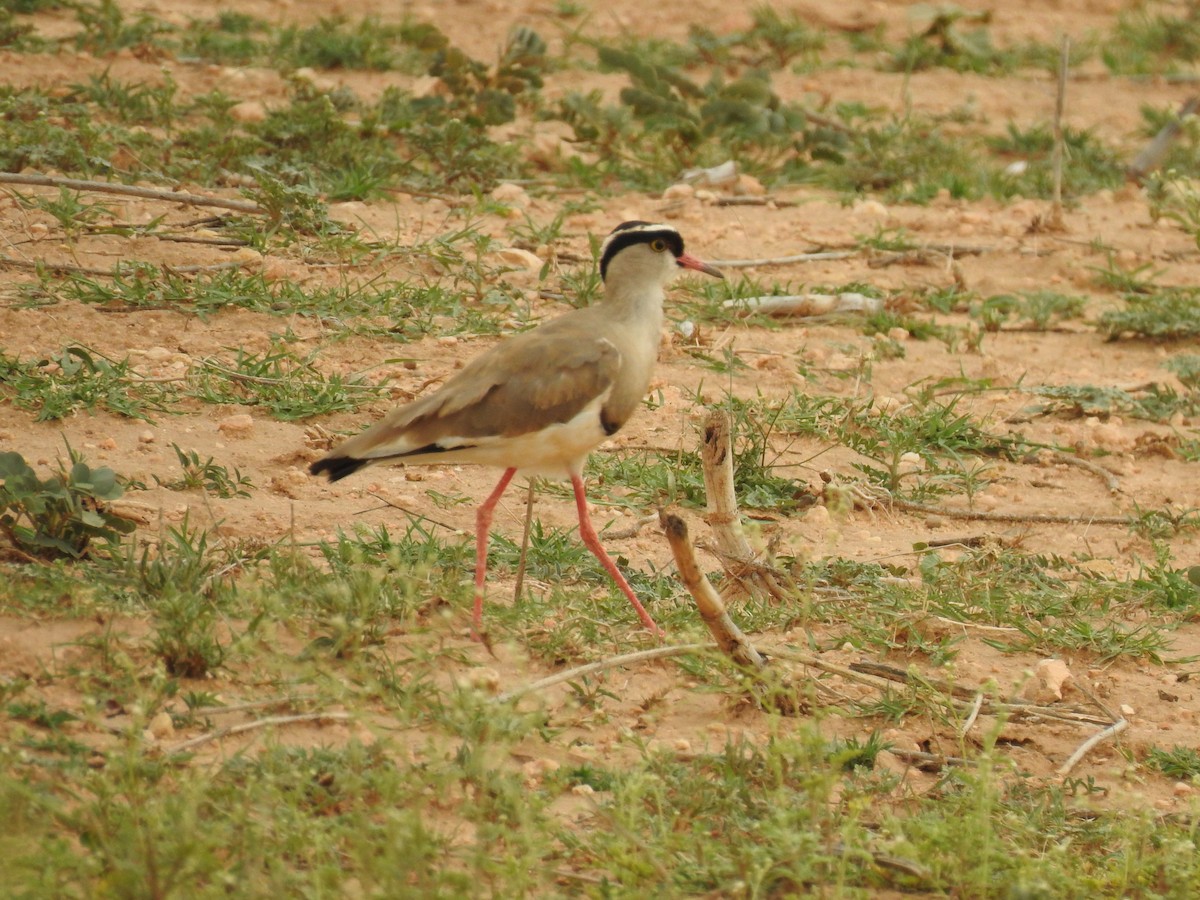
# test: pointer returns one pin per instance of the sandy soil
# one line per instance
(274, 454)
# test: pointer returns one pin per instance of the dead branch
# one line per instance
(955, 695)
(523, 558)
(784, 260)
(65, 269)
(130, 190)
(1033, 518)
(929, 762)
(709, 603)
(921, 256)
(625, 659)
(975, 708)
(805, 304)
(244, 707)
(268, 722)
(1086, 747)
(1055, 220)
(753, 201)
(1110, 480)
(621, 534)
(722, 516)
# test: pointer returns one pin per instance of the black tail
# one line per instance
(338, 467)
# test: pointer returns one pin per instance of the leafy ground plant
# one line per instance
(66, 514)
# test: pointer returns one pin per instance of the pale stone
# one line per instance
(1053, 675)
(240, 425)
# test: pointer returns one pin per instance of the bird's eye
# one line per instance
(658, 245)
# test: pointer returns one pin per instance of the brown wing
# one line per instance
(522, 385)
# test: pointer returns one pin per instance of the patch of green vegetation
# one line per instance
(1035, 310)
(954, 38)
(18, 36)
(336, 43)
(288, 387)
(104, 29)
(1147, 42)
(773, 40)
(907, 159)
(64, 515)
(683, 123)
(80, 378)
(1167, 587)
(1165, 314)
(1088, 164)
(232, 38)
(206, 475)
(1178, 762)
(1157, 403)
(1185, 367)
(184, 635)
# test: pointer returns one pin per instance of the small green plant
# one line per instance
(184, 635)
(1165, 314)
(953, 37)
(851, 753)
(1185, 367)
(333, 43)
(207, 475)
(1156, 402)
(1178, 762)
(79, 378)
(290, 388)
(105, 29)
(1169, 588)
(1145, 41)
(63, 515)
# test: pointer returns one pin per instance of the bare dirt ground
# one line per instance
(275, 454)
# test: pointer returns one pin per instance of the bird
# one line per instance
(539, 402)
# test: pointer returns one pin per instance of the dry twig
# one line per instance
(130, 190)
(66, 269)
(1055, 220)
(1086, 747)
(805, 304)
(709, 603)
(816, 256)
(625, 659)
(268, 722)
(1110, 480)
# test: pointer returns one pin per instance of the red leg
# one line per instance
(483, 524)
(592, 540)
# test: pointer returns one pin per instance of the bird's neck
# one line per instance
(643, 304)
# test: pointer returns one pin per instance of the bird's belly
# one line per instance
(556, 451)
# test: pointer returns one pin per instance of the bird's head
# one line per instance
(643, 252)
